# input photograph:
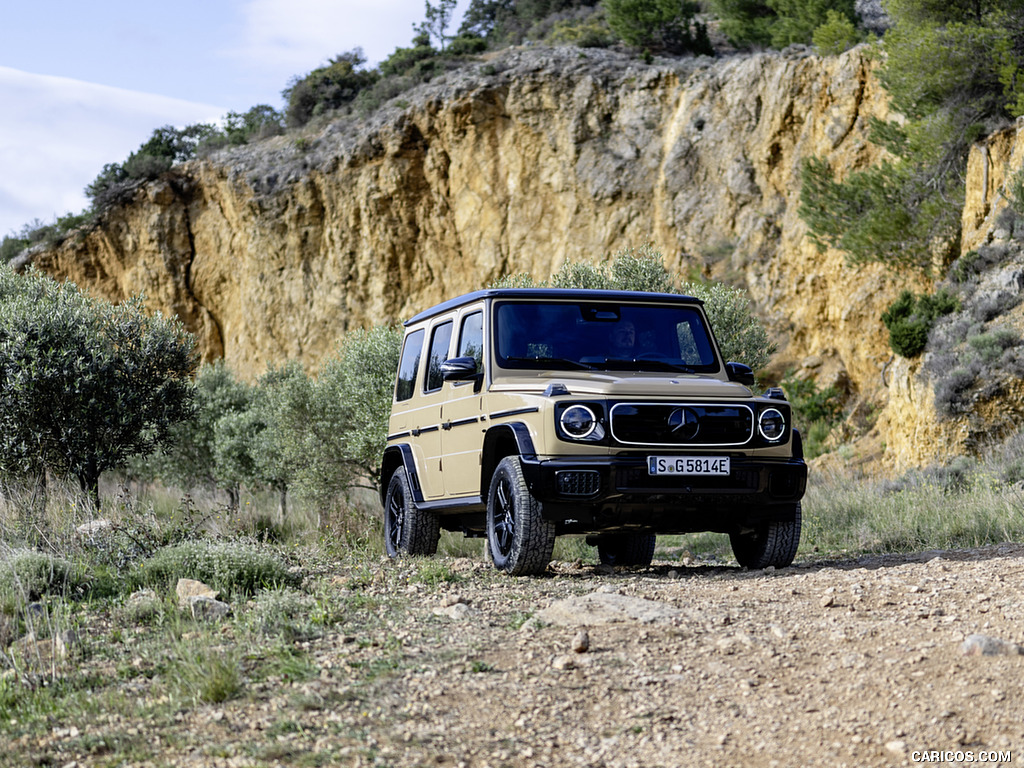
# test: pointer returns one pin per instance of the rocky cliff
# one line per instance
(517, 164)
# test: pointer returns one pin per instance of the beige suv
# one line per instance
(524, 414)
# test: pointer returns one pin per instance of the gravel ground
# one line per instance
(857, 662)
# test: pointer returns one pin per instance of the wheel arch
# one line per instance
(396, 456)
(501, 441)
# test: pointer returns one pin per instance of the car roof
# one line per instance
(574, 294)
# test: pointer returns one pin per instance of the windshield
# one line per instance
(602, 336)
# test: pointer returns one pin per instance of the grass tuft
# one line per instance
(232, 568)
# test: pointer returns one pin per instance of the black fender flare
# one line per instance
(395, 456)
(500, 441)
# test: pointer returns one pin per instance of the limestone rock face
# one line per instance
(272, 251)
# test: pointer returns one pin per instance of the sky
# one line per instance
(83, 84)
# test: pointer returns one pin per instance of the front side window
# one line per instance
(408, 365)
(471, 338)
(440, 341)
(603, 336)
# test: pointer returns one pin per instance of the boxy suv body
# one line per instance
(524, 414)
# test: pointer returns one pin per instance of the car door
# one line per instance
(461, 428)
(425, 419)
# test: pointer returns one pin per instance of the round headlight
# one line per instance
(771, 424)
(578, 421)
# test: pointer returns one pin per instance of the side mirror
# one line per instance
(740, 373)
(458, 369)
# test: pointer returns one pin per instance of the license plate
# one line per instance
(688, 465)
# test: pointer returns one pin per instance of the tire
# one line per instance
(519, 540)
(626, 549)
(774, 543)
(407, 530)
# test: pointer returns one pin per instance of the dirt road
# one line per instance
(856, 662)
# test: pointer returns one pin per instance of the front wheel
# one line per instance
(773, 543)
(519, 540)
(407, 530)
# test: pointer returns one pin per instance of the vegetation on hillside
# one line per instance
(953, 72)
(778, 23)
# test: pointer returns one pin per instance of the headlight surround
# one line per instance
(578, 422)
(771, 424)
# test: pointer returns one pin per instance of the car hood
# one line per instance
(624, 384)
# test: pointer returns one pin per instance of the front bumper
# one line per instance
(589, 494)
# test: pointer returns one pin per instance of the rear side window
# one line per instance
(440, 341)
(408, 365)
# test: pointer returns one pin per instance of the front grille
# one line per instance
(582, 482)
(682, 424)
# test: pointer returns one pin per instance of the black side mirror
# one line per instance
(740, 373)
(458, 369)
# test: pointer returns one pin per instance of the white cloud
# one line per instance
(280, 34)
(56, 134)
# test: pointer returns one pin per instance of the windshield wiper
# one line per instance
(643, 365)
(552, 361)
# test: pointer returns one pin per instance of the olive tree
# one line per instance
(281, 448)
(189, 459)
(351, 402)
(85, 384)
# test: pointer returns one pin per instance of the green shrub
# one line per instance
(815, 411)
(501, 22)
(285, 613)
(188, 461)
(205, 675)
(36, 232)
(990, 346)
(404, 59)
(260, 122)
(952, 71)
(235, 569)
(745, 22)
(910, 319)
(591, 32)
(1014, 191)
(167, 146)
(327, 88)
(351, 400)
(836, 35)
(797, 20)
(11, 246)
(466, 45)
(27, 575)
(656, 26)
(897, 213)
(779, 23)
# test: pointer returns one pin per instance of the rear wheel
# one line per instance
(626, 548)
(407, 530)
(519, 540)
(772, 543)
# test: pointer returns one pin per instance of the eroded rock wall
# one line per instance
(273, 251)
